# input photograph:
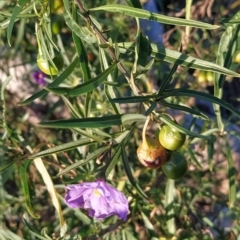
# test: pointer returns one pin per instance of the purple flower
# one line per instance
(39, 77)
(99, 198)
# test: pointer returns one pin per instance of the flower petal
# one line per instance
(100, 208)
(99, 198)
(115, 199)
(77, 197)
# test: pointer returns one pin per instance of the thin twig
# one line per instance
(110, 49)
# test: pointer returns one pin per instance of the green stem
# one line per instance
(38, 41)
(144, 140)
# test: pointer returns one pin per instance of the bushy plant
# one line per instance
(68, 150)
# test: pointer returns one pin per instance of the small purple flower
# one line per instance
(99, 198)
(39, 77)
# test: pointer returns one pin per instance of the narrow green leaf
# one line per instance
(115, 158)
(4, 107)
(94, 122)
(171, 56)
(134, 117)
(184, 109)
(137, 47)
(63, 147)
(55, 83)
(167, 81)
(207, 97)
(33, 230)
(81, 51)
(151, 108)
(144, 47)
(144, 14)
(129, 173)
(108, 89)
(226, 50)
(134, 99)
(121, 137)
(85, 87)
(82, 54)
(146, 221)
(117, 154)
(193, 158)
(134, 3)
(83, 32)
(211, 151)
(5, 164)
(98, 137)
(75, 113)
(206, 133)
(24, 181)
(147, 67)
(97, 153)
(174, 125)
(229, 21)
(24, 13)
(17, 9)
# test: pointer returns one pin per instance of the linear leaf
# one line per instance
(117, 154)
(129, 173)
(226, 50)
(166, 81)
(114, 160)
(193, 158)
(108, 89)
(24, 181)
(130, 118)
(81, 51)
(133, 99)
(55, 83)
(17, 9)
(63, 147)
(171, 56)
(94, 122)
(134, 3)
(33, 230)
(184, 109)
(83, 32)
(85, 87)
(89, 157)
(144, 14)
(207, 97)
(171, 123)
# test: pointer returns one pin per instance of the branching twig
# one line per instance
(110, 49)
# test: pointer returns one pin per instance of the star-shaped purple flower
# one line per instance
(99, 198)
(39, 77)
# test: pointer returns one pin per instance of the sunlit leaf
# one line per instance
(171, 56)
(17, 9)
(24, 181)
(64, 147)
(81, 31)
(84, 87)
(82, 162)
(144, 14)
(55, 83)
(207, 97)
(129, 173)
